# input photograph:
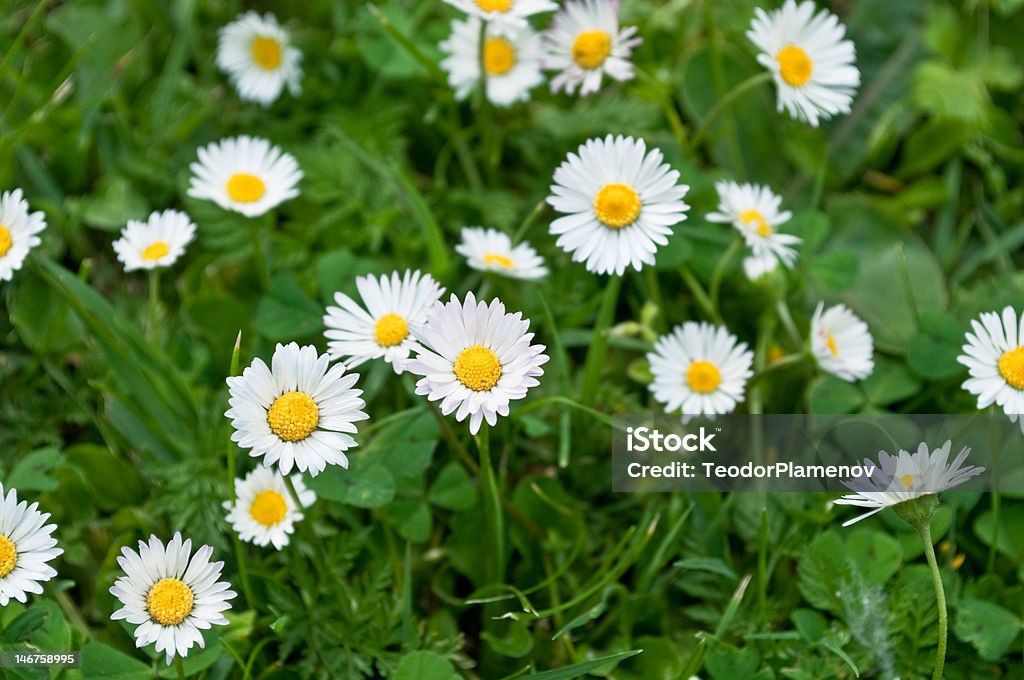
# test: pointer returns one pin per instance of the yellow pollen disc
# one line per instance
(1011, 367)
(703, 377)
(156, 251)
(293, 416)
(495, 258)
(775, 353)
(494, 5)
(795, 66)
(5, 240)
(390, 330)
(266, 52)
(755, 217)
(907, 480)
(617, 205)
(478, 368)
(245, 188)
(499, 56)
(958, 561)
(169, 601)
(830, 342)
(8, 556)
(268, 508)
(591, 48)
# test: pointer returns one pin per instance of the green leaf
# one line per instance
(890, 382)
(287, 312)
(407, 446)
(988, 627)
(372, 486)
(27, 623)
(411, 518)
(424, 665)
(578, 669)
(729, 664)
(935, 347)
(106, 663)
(829, 394)
(453, 489)
(516, 641)
(32, 473)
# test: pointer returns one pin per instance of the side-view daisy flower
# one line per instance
(754, 210)
(700, 369)
(257, 55)
(245, 174)
(475, 358)
(619, 203)
(157, 242)
(171, 594)
(585, 43)
(18, 229)
(842, 343)
(393, 304)
(503, 12)
(490, 250)
(26, 545)
(812, 64)
(511, 60)
(994, 357)
(300, 412)
(264, 510)
(757, 266)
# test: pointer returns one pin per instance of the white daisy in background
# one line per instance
(490, 250)
(257, 55)
(171, 594)
(264, 510)
(393, 304)
(994, 357)
(18, 229)
(245, 174)
(503, 12)
(157, 242)
(757, 266)
(907, 476)
(300, 412)
(26, 545)
(620, 203)
(812, 64)
(700, 369)
(475, 358)
(511, 59)
(754, 210)
(842, 343)
(585, 43)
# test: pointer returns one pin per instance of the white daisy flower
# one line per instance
(157, 242)
(18, 229)
(245, 174)
(585, 43)
(257, 55)
(757, 266)
(620, 203)
(298, 413)
(503, 13)
(812, 64)
(264, 510)
(393, 304)
(475, 358)
(754, 210)
(511, 58)
(842, 343)
(907, 476)
(700, 369)
(994, 357)
(26, 545)
(490, 250)
(171, 594)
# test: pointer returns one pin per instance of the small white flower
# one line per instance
(393, 304)
(245, 174)
(300, 412)
(503, 13)
(585, 43)
(511, 58)
(157, 242)
(171, 594)
(620, 203)
(842, 343)
(26, 545)
(257, 54)
(754, 210)
(264, 510)
(757, 266)
(18, 229)
(812, 64)
(490, 250)
(475, 358)
(994, 357)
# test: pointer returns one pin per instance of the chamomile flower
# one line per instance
(994, 357)
(620, 203)
(757, 266)
(585, 43)
(264, 510)
(700, 369)
(812, 64)
(157, 242)
(300, 412)
(511, 59)
(754, 210)
(171, 594)
(257, 55)
(26, 545)
(475, 358)
(503, 12)
(393, 303)
(245, 174)
(18, 229)
(842, 343)
(490, 250)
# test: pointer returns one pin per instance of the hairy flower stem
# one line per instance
(243, 568)
(925, 532)
(599, 343)
(154, 304)
(492, 506)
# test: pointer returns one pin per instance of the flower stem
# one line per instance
(154, 303)
(243, 568)
(259, 254)
(179, 663)
(724, 102)
(716, 278)
(925, 532)
(596, 353)
(492, 506)
(699, 294)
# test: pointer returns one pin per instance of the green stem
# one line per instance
(259, 254)
(528, 221)
(154, 304)
(492, 506)
(925, 532)
(716, 278)
(724, 102)
(787, 322)
(699, 294)
(231, 451)
(596, 353)
(179, 663)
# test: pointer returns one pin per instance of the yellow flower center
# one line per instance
(478, 368)
(795, 66)
(293, 416)
(266, 52)
(169, 601)
(907, 479)
(156, 251)
(5, 240)
(495, 258)
(245, 188)
(755, 217)
(591, 48)
(268, 508)
(494, 5)
(499, 56)
(1011, 367)
(390, 330)
(830, 342)
(8, 556)
(617, 205)
(703, 377)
